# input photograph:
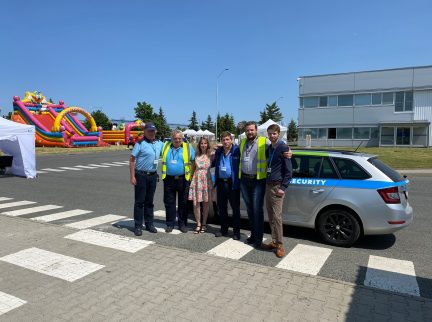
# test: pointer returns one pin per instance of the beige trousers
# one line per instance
(274, 211)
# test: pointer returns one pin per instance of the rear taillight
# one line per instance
(390, 195)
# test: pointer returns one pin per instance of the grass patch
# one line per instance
(398, 158)
(58, 150)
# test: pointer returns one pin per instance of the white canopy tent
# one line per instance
(262, 130)
(18, 140)
(209, 135)
(189, 132)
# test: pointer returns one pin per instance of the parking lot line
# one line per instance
(83, 224)
(234, 249)
(31, 210)
(61, 215)
(52, 264)
(16, 204)
(9, 302)
(5, 198)
(392, 274)
(53, 170)
(99, 238)
(305, 259)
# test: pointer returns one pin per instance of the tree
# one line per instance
(226, 123)
(271, 112)
(208, 124)
(292, 133)
(101, 119)
(193, 122)
(144, 112)
(161, 124)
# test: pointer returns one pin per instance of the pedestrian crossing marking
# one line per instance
(40, 172)
(71, 168)
(160, 214)
(31, 210)
(83, 224)
(112, 164)
(52, 264)
(99, 165)
(5, 198)
(234, 249)
(61, 215)
(305, 259)
(392, 274)
(114, 241)
(160, 227)
(53, 170)
(9, 302)
(15, 204)
(84, 167)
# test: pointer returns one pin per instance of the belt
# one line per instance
(225, 180)
(176, 177)
(248, 176)
(145, 173)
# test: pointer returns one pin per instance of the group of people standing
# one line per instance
(254, 169)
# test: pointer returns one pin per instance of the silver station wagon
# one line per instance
(344, 195)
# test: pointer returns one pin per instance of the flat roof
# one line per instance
(367, 71)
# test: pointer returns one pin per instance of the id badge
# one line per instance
(246, 159)
(223, 169)
(155, 162)
(268, 170)
(173, 161)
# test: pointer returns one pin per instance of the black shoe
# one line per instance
(250, 240)
(151, 229)
(236, 237)
(138, 231)
(183, 229)
(257, 244)
(168, 229)
(220, 234)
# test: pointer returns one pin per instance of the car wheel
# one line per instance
(338, 227)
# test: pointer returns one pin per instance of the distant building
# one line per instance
(390, 107)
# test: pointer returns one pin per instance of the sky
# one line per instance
(110, 55)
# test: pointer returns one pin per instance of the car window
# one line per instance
(327, 170)
(389, 172)
(305, 166)
(349, 169)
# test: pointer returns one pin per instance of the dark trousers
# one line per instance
(144, 193)
(176, 187)
(253, 191)
(225, 194)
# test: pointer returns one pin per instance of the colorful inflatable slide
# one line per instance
(121, 136)
(56, 124)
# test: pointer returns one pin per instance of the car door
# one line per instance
(308, 188)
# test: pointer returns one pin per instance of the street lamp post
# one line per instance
(217, 100)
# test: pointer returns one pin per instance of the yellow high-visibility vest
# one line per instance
(262, 159)
(186, 159)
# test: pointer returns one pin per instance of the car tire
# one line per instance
(339, 227)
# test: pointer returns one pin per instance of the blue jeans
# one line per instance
(144, 193)
(253, 191)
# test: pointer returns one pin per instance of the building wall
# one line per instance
(423, 108)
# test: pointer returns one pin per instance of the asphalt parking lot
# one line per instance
(105, 189)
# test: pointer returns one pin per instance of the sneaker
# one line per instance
(168, 229)
(151, 229)
(138, 231)
(184, 229)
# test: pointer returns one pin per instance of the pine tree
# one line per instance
(144, 112)
(163, 129)
(271, 112)
(209, 124)
(193, 122)
(292, 133)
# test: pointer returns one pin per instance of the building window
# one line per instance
(323, 101)
(404, 101)
(306, 131)
(362, 99)
(332, 100)
(301, 102)
(387, 98)
(344, 133)
(376, 98)
(387, 135)
(420, 136)
(374, 132)
(332, 133)
(409, 101)
(403, 136)
(361, 132)
(322, 134)
(310, 101)
(345, 100)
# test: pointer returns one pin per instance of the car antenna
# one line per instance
(361, 142)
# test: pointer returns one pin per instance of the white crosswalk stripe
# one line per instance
(392, 274)
(160, 214)
(40, 172)
(5, 198)
(9, 302)
(99, 165)
(53, 170)
(83, 224)
(121, 162)
(15, 204)
(85, 167)
(31, 210)
(71, 168)
(112, 164)
(61, 215)
(234, 249)
(52, 264)
(99, 238)
(305, 259)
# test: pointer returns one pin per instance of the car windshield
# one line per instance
(389, 172)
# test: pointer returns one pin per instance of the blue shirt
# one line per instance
(176, 168)
(145, 154)
(225, 166)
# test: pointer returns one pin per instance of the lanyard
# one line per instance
(154, 149)
(249, 148)
(271, 156)
(225, 157)
(175, 152)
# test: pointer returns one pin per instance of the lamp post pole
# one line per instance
(217, 100)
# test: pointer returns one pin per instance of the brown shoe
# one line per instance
(280, 251)
(269, 246)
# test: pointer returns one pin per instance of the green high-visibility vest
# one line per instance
(186, 159)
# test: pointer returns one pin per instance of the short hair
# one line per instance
(177, 132)
(224, 134)
(274, 127)
(251, 123)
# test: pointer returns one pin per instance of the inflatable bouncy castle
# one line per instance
(122, 135)
(55, 124)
